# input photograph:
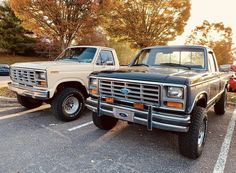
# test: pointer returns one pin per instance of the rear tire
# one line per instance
(220, 105)
(104, 122)
(68, 104)
(28, 102)
(192, 143)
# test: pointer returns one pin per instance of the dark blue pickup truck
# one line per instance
(165, 87)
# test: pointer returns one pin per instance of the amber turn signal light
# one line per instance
(42, 83)
(109, 100)
(174, 105)
(138, 105)
(93, 91)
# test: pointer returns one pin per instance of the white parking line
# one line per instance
(80, 126)
(24, 112)
(54, 131)
(221, 161)
(10, 108)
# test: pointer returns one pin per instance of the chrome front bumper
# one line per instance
(29, 91)
(159, 120)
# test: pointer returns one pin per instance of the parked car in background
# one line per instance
(4, 69)
(232, 80)
(63, 82)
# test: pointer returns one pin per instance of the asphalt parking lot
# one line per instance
(34, 141)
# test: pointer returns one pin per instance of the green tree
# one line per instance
(13, 37)
(145, 22)
(216, 36)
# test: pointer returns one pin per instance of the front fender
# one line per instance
(196, 98)
(53, 89)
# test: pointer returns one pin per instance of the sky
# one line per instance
(213, 11)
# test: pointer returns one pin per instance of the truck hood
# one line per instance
(52, 65)
(158, 74)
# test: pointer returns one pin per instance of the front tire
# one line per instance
(104, 122)
(68, 104)
(192, 143)
(220, 105)
(28, 102)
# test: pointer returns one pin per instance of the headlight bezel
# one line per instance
(165, 98)
(41, 75)
(175, 92)
(93, 86)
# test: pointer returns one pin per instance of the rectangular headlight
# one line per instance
(93, 82)
(175, 92)
(41, 75)
(93, 86)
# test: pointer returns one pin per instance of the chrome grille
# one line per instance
(138, 92)
(23, 76)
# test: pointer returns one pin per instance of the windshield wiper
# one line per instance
(140, 65)
(176, 65)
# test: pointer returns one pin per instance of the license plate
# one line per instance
(123, 114)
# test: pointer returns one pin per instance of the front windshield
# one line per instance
(189, 58)
(78, 54)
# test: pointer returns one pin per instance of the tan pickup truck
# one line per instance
(63, 82)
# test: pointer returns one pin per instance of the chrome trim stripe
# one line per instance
(215, 97)
(205, 81)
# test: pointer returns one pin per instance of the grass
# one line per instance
(5, 92)
(232, 97)
(10, 59)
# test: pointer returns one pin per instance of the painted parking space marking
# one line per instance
(55, 131)
(221, 161)
(10, 108)
(80, 126)
(24, 112)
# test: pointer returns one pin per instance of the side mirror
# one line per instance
(225, 68)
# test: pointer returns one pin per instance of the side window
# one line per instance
(212, 63)
(105, 58)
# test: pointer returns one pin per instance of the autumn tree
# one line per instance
(216, 36)
(57, 19)
(92, 36)
(145, 22)
(13, 37)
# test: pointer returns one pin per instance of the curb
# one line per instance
(8, 99)
(231, 103)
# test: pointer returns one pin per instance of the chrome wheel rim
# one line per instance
(201, 134)
(71, 105)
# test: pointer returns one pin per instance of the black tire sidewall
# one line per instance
(188, 142)
(57, 104)
(104, 122)
(220, 105)
(28, 102)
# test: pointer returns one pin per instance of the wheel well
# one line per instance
(202, 101)
(77, 85)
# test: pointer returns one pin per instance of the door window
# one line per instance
(105, 58)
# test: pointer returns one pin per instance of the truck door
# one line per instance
(105, 61)
(215, 78)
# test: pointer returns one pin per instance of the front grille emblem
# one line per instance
(125, 91)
